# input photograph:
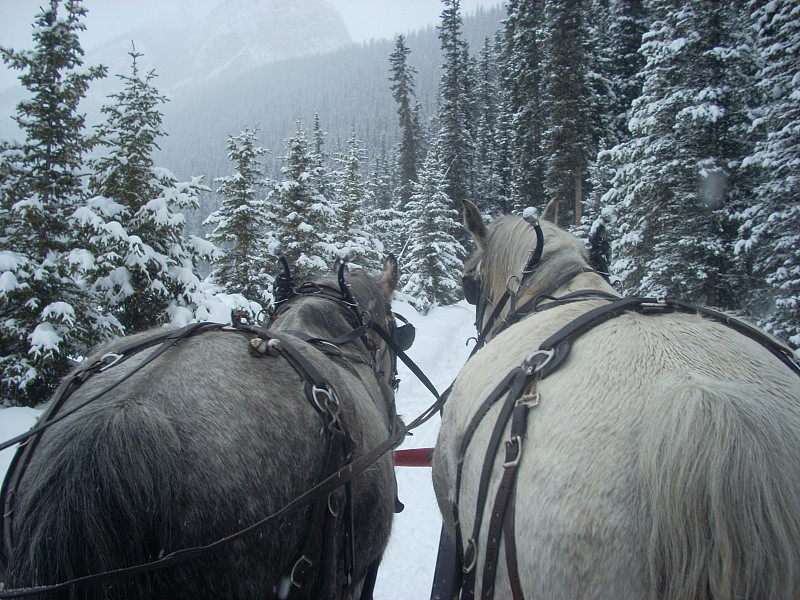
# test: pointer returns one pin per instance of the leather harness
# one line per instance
(518, 394)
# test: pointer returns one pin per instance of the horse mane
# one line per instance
(366, 290)
(508, 245)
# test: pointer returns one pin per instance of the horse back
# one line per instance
(192, 447)
(662, 460)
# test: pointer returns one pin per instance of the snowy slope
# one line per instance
(440, 350)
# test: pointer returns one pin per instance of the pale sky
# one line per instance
(365, 19)
(107, 19)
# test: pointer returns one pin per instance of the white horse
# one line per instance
(663, 457)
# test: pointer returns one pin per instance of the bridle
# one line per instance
(472, 284)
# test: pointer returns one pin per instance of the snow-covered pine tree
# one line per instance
(321, 173)
(675, 178)
(403, 93)
(387, 220)
(771, 229)
(431, 273)
(381, 179)
(455, 135)
(616, 29)
(146, 268)
(521, 74)
(240, 233)
(566, 103)
(354, 222)
(492, 158)
(49, 315)
(618, 61)
(302, 215)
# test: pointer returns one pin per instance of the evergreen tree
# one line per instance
(240, 223)
(675, 178)
(50, 316)
(566, 102)
(388, 221)
(403, 93)
(433, 266)
(616, 34)
(492, 162)
(382, 176)
(147, 268)
(302, 215)
(771, 228)
(321, 175)
(522, 78)
(354, 223)
(457, 82)
(621, 63)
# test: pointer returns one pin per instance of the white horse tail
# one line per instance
(720, 466)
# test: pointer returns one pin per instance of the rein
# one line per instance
(317, 389)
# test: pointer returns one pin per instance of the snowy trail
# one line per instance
(440, 351)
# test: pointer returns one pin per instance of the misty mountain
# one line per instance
(203, 46)
(347, 88)
(234, 37)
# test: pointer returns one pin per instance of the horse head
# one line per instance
(520, 258)
(364, 325)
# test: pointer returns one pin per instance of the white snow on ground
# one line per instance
(440, 350)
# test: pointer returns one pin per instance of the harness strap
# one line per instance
(400, 353)
(517, 314)
(500, 520)
(519, 378)
(496, 394)
(316, 563)
(777, 348)
(533, 305)
(511, 547)
(82, 374)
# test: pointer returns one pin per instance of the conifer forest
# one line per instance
(668, 133)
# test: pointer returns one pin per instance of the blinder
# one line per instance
(405, 334)
(471, 288)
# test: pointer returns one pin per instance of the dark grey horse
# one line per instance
(204, 441)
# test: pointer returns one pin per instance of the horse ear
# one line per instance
(390, 276)
(473, 221)
(551, 212)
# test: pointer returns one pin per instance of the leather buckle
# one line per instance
(470, 557)
(302, 565)
(514, 441)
